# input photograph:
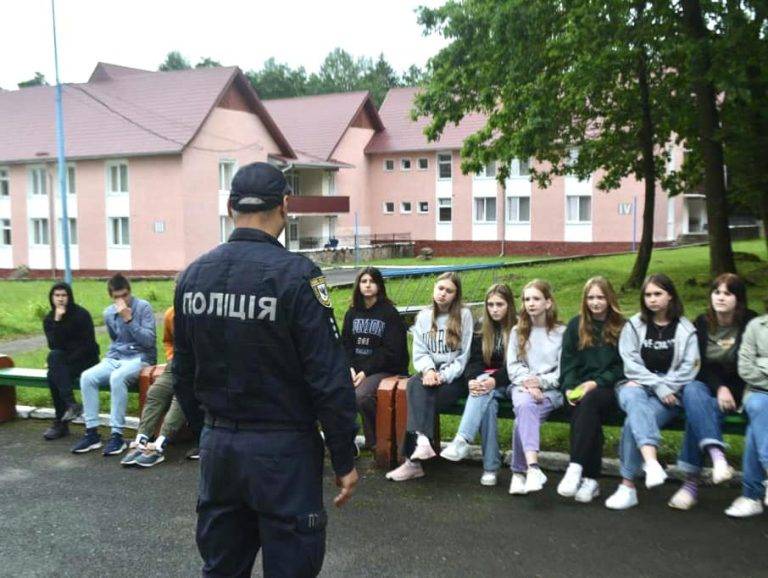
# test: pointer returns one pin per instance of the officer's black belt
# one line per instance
(222, 422)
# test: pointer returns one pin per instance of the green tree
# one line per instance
(38, 80)
(378, 79)
(277, 80)
(413, 76)
(207, 62)
(174, 61)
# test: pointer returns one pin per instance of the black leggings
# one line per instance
(587, 420)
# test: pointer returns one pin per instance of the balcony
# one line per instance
(317, 205)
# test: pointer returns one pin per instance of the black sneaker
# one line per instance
(74, 411)
(90, 441)
(193, 454)
(57, 430)
(115, 446)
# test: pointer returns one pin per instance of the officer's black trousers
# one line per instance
(261, 490)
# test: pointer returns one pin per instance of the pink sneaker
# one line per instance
(407, 471)
(423, 452)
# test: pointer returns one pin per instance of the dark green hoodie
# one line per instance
(600, 363)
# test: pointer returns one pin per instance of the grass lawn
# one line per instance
(688, 267)
(408, 261)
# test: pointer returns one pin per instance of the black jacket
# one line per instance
(476, 364)
(375, 340)
(256, 340)
(714, 374)
(73, 333)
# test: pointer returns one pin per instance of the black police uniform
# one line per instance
(255, 334)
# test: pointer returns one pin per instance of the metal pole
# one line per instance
(60, 154)
(357, 244)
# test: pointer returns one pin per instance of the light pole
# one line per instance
(60, 153)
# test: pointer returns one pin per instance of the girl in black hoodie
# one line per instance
(72, 341)
(374, 337)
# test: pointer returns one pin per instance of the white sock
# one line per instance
(160, 443)
(576, 468)
(460, 438)
(141, 440)
(422, 440)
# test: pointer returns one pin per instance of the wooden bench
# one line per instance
(392, 414)
(12, 377)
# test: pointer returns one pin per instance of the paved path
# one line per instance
(85, 516)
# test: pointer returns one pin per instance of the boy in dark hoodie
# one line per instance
(72, 341)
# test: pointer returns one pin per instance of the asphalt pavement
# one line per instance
(67, 515)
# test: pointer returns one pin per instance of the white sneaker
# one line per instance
(423, 451)
(571, 480)
(534, 480)
(654, 474)
(488, 479)
(622, 499)
(682, 500)
(721, 472)
(588, 490)
(406, 471)
(743, 507)
(517, 485)
(457, 450)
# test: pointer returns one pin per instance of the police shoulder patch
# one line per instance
(320, 289)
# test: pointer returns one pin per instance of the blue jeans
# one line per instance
(703, 426)
(118, 373)
(646, 415)
(480, 414)
(755, 459)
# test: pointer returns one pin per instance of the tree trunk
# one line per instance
(720, 250)
(643, 258)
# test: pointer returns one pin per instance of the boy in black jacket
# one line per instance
(72, 341)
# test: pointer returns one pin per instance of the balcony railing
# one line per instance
(317, 205)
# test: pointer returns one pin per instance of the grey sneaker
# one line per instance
(130, 458)
(150, 458)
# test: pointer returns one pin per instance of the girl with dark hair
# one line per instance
(487, 380)
(718, 388)
(442, 336)
(661, 356)
(374, 337)
(590, 368)
(533, 364)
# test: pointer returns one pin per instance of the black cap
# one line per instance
(258, 187)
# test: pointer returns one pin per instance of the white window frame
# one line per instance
(38, 181)
(5, 182)
(404, 210)
(39, 232)
(72, 231)
(386, 168)
(225, 187)
(122, 232)
(403, 162)
(485, 202)
(419, 207)
(6, 231)
(487, 172)
(519, 168)
(121, 174)
(508, 211)
(578, 221)
(441, 205)
(294, 181)
(388, 207)
(419, 163)
(226, 226)
(443, 162)
(293, 231)
(71, 180)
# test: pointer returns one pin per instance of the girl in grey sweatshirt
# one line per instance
(442, 339)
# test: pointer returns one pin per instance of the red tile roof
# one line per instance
(403, 134)
(315, 124)
(120, 112)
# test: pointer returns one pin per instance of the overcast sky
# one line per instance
(139, 33)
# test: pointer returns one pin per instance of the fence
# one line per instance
(348, 241)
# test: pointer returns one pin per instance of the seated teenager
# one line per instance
(661, 356)
(533, 364)
(718, 389)
(442, 338)
(590, 368)
(374, 337)
(487, 379)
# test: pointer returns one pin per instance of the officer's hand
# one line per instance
(347, 484)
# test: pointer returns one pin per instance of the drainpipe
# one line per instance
(503, 217)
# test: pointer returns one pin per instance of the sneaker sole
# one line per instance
(116, 452)
(488, 484)
(88, 449)
(453, 458)
(159, 460)
(583, 501)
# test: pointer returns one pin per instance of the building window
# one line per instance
(389, 207)
(40, 233)
(423, 164)
(117, 178)
(579, 209)
(518, 209)
(405, 164)
(485, 210)
(5, 183)
(119, 232)
(405, 207)
(423, 206)
(226, 172)
(38, 181)
(444, 211)
(72, 232)
(293, 231)
(5, 231)
(159, 227)
(389, 165)
(294, 181)
(226, 226)
(488, 171)
(519, 168)
(444, 166)
(71, 181)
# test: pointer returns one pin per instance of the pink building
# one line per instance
(151, 155)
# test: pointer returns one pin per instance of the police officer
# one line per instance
(257, 346)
